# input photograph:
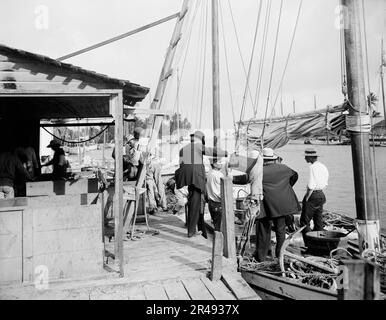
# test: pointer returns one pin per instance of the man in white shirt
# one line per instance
(314, 198)
(213, 189)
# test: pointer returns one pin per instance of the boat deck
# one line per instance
(164, 266)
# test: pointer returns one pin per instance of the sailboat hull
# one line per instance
(271, 287)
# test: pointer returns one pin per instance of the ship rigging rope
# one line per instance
(271, 75)
(197, 69)
(204, 64)
(242, 111)
(76, 142)
(239, 47)
(342, 54)
(187, 48)
(279, 90)
(251, 62)
(261, 60)
(227, 67)
(369, 105)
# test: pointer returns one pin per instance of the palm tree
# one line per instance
(372, 101)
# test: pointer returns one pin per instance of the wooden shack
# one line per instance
(59, 224)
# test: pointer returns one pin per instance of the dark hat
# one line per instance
(198, 134)
(310, 152)
(54, 143)
(137, 132)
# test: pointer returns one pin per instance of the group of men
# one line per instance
(20, 164)
(278, 201)
(134, 158)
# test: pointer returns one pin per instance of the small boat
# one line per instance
(272, 284)
(91, 147)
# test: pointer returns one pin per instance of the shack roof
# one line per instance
(22, 71)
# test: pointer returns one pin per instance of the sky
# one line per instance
(55, 28)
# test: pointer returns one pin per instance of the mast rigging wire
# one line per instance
(242, 111)
(204, 63)
(271, 75)
(251, 62)
(288, 57)
(239, 47)
(187, 46)
(227, 68)
(262, 58)
(197, 68)
(369, 103)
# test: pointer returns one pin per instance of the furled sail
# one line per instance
(279, 130)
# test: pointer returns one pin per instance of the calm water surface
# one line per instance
(340, 193)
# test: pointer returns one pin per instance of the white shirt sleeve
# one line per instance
(311, 180)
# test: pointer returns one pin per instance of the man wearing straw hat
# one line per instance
(279, 202)
(314, 198)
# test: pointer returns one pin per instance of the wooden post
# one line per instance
(118, 197)
(365, 193)
(104, 149)
(215, 74)
(217, 252)
(360, 281)
(228, 218)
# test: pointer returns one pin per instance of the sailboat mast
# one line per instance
(383, 63)
(215, 74)
(358, 124)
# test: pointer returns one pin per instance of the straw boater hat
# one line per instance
(54, 143)
(198, 134)
(268, 154)
(310, 152)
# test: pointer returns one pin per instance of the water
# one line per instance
(340, 192)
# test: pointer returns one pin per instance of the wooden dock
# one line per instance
(164, 266)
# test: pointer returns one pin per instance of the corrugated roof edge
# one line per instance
(41, 58)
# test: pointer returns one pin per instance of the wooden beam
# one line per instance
(117, 102)
(80, 124)
(133, 110)
(217, 252)
(360, 281)
(228, 218)
(121, 36)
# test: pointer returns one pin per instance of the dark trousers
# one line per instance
(196, 206)
(313, 210)
(216, 214)
(263, 236)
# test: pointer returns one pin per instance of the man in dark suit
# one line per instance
(192, 174)
(279, 202)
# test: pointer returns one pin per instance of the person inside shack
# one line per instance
(58, 162)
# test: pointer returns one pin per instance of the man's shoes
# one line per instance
(198, 233)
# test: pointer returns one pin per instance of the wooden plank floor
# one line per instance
(164, 266)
